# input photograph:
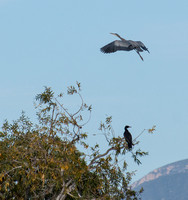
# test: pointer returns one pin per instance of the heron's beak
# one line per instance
(113, 33)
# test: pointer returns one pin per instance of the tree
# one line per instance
(42, 161)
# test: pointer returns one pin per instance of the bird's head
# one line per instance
(114, 34)
(127, 126)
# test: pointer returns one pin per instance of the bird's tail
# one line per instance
(129, 145)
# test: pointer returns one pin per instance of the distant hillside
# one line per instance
(169, 182)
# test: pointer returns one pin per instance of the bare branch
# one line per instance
(87, 120)
(100, 156)
(52, 119)
(61, 196)
(12, 170)
(139, 135)
(82, 104)
(71, 116)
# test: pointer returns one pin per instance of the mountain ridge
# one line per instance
(172, 168)
(169, 182)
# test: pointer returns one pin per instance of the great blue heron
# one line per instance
(124, 45)
(128, 137)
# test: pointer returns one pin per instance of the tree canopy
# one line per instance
(44, 160)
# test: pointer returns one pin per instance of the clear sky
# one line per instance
(56, 43)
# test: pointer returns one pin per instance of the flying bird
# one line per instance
(128, 137)
(124, 45)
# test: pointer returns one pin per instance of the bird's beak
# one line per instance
(113, 33)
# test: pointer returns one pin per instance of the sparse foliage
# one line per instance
(42, 161)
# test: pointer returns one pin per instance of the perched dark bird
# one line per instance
(124, 45)
(128, 137)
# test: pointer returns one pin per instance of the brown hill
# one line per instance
(169, 182)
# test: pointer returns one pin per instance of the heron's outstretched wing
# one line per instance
(142, 46)
(117, 45)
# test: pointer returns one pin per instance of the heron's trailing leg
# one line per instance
(139, 55)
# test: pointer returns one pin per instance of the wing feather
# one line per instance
(142, 46)
(117, 45)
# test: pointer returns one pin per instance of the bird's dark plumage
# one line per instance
(116, 45)
(142, 46)
(128, 137)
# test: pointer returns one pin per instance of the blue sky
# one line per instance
(56, 43)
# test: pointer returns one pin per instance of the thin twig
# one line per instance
(12, 170)
(80, 106)
(87, 120)
(71, 116)
(113, 132)
(139, 135)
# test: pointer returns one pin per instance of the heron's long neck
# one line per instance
(120, 37)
